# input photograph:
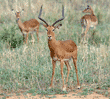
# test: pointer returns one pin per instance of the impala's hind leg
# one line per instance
(87, 28)
(61, 65)
(68, 70)
(27, 38)
(82, 32)
(75, 65)
(33, 39)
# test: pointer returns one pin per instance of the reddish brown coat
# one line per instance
(60, 50)
(88, 20)
(28, 27)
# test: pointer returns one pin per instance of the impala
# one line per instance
(27, 27)
(88, 20)
(60, 50)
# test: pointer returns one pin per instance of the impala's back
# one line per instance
(31, 24)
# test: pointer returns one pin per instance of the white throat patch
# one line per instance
(49, 38)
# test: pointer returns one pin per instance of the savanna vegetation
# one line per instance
(28, 68)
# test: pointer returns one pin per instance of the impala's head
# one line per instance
(17, 13)
(50, 28)
(88, 9)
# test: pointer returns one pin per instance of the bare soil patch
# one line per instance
(71, 95)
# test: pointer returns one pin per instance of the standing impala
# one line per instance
(88, 20)
(60, 50)
(27, 27)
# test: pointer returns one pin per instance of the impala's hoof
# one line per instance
(78, 87)
(64, 88)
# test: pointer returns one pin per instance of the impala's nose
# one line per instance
(49, 37)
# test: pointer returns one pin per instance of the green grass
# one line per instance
(29, 68)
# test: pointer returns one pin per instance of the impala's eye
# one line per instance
(53, 29)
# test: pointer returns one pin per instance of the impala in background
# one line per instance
(28, 27)
(88, 20)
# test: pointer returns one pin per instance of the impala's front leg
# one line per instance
(24, 38)
(27, 38)
(54, 64)
(62, 63)
(37, 32)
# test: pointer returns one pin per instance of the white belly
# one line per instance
(30, 32)
(57, 59)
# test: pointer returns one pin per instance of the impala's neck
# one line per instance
(52, 43)
(20, 24)
(92, 13)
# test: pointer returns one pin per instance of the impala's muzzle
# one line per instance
(49, 37)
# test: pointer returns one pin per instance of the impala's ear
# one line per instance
(59, 25)
(88, 6)
(22, 11)
(13, 11)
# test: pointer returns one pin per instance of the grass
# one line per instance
(29, 68)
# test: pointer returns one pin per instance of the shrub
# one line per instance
(9, 35)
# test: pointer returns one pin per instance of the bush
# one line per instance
(9, 36)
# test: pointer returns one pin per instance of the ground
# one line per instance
(71, 95)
